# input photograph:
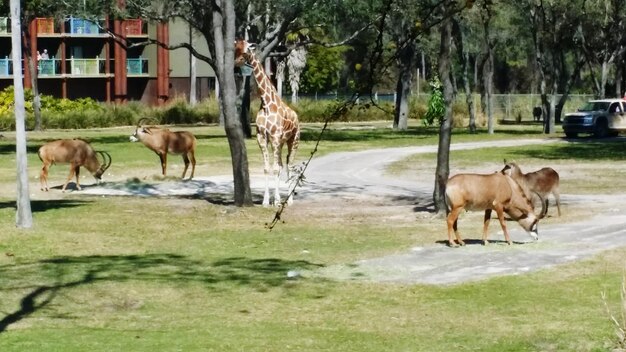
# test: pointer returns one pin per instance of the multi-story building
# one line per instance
(80, 58)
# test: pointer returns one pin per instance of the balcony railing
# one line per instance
(135, 27)
(5, 28)
(6, 68)
(86, 67)
(45, 25)
(137, 66)
(49, 67)
(82, 26)
(77, 67)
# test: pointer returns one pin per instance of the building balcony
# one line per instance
(45, 25)
(6, 67)
(135, 28)
(86, 67)
(49, 67)
(5, 25)
(137, 67)
(80, 26)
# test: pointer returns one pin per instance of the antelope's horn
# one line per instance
(141, 120)
(106, 160)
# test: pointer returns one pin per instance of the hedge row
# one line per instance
(88, 113)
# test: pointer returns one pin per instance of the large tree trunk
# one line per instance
(469, 97)
(488, 77)
(24, 216)
(34, 75)
(403, 90)
(193, 93)
(224, 37)
(443, 152)
(244, 113)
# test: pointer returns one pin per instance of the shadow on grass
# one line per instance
(479, 242)
(10, 148)
(580, 149)
(44, 205)
(60, 273)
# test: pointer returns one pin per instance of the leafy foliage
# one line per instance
(88, 113)
(48, 103)
(322, 69)
(436, 104)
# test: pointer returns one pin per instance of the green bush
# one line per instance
(88, 113)
(310, 110)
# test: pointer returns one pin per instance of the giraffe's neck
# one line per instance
(266, 88)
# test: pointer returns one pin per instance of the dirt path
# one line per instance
(361, 175)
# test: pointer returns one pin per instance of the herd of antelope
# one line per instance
(78, 152)
(509, 191)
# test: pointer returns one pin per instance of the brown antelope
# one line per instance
(542, 182)
(77, 153)
(163, 141)
(488, 192)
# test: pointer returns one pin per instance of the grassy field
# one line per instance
(170, 274)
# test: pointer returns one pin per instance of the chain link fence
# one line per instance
(505, 107)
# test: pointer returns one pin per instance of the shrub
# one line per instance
(310, 110)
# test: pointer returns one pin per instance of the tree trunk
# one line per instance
(488, 77)
(403, 90)
(619, 71)
(224, 37)
(406, 64)
(464, 58)
(244, 113)
(193, 95)
(443, 152)
(24, 216)
(34, 74)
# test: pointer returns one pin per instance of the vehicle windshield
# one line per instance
(595, 106)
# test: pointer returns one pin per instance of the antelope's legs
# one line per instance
(192, 157)
(73, 171)
(486, 220)
(452, 226)
(163, 158)
(43, 177)
(500, 213)
(186, 161)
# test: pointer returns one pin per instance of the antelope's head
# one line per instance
(140, 129)
(106, 162)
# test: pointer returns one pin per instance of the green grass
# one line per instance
(168, 274)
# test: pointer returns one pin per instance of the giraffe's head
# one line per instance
(243, 52)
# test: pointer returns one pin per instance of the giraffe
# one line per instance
(276, 123)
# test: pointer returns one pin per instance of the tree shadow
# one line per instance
(45, 205)
(363, 135)
(62, 273)
(479, 242)
(580, 149)
(10, 148)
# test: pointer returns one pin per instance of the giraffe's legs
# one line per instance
(277, 168)
(266, 166)
(292, 148)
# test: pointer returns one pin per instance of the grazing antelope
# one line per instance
(163, 141)
(77, 153)
(542, 182)
(488, 192)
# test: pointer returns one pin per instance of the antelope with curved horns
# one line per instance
(163, 141)
(495, 191)
(77, 153)
(543, 182)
